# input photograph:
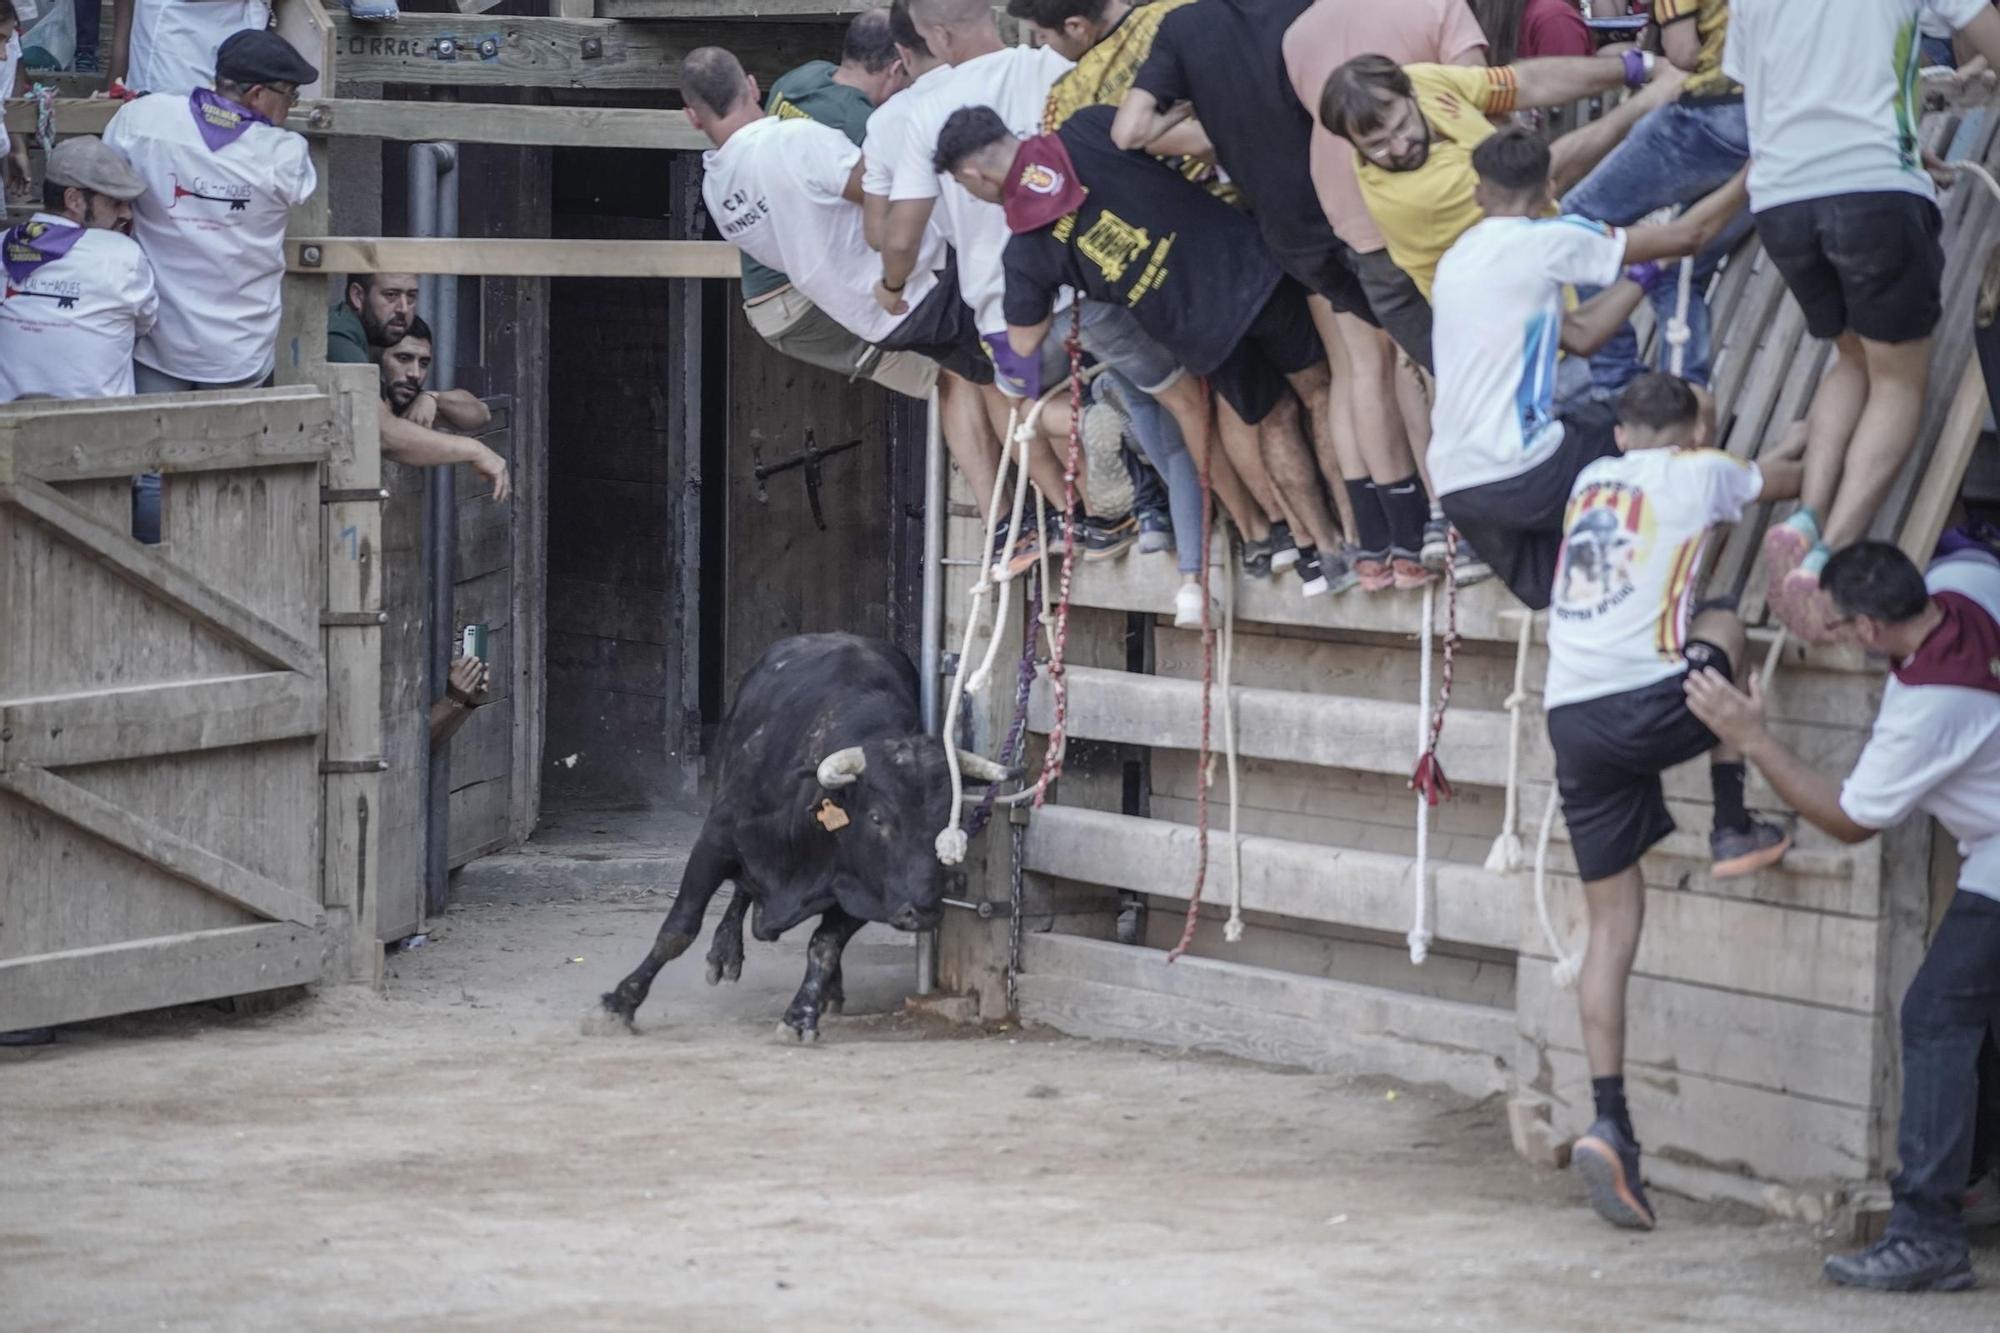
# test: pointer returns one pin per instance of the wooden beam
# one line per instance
(494, 50)
(727, 9)
(513, 258)
(305, 25)
(141, 720)
(1937, 491)
(106, 979)
(146, 569)
(159, 847)
(184, 432)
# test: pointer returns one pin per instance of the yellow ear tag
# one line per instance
(831, 817)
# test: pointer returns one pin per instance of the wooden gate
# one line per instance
(162, 708)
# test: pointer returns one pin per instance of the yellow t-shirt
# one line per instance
(1711, 22)
(1422, 213)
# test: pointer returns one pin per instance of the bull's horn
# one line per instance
(842, 768)
(981, 769)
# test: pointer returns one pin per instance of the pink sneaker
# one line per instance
(1375, 572)
(1786, 545)
(1407, 574)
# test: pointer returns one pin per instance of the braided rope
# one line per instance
(1058, 683)
(1207, 700)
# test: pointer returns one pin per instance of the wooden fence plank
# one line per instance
(140, 565)
(118, 437)
(513, 258)
(93, 726)
(160, 847)
(81, 984)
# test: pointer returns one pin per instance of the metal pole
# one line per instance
(931, 645)
(433, 180)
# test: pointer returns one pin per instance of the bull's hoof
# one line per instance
(605, 1019)
(835, 1004)
(787, 1035)
(714, 971)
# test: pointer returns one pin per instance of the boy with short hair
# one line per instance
(1623, 633)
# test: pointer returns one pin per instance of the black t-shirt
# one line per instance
(1228, 58)
(1191, 268)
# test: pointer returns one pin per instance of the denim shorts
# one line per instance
(1867, 263)
(1112, 334)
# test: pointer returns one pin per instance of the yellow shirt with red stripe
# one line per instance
(1711, 21)
(1633, 540)
(1422, 213)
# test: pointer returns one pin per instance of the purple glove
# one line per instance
(1649, 275)
(1022, 374)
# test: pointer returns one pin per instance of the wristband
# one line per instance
(1638, 68)
(897, 289)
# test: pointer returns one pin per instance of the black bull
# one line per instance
(828, 804)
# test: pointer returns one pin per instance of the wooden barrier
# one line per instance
(512, 258)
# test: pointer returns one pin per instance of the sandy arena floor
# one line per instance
(451, 1154)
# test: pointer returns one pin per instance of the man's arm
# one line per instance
(1573, 155)
(1680, 40)
(851, 191)
(1140, 122)
(1592, 324)
(874, 220)
(902, 237)
(1692, 231)
(1983, 35)
(1187, 139)
(459, 409)
(1027, 339)
(419, 446)
(1738, 719)
(465, 692)
(121, 39)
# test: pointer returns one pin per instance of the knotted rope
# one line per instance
(1427, 780)
(1052, 762)
(1201, 762)
(1505, 857)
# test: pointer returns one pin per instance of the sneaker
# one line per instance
(1903, 1263)
(1002, 540)
(1437, 548)
(1470, 569)
(1608, 1161)
(1786, 547)
(372, 11)
(1406, 573)
(1338, 570)
(1982, 1201)
(1284, 548)
(1257, 558)
(1371, 569)
(1734, 853)
(1103, 539)
(1311, 574)
(1021, 557)
(1187, 606)
(1156, 531)
(1104, 476)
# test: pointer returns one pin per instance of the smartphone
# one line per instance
(472, 643)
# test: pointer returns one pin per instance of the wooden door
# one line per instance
(161, 707)
(482, 753)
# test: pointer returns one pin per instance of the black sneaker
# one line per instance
(1156, 531)
(1904, 1263)
(1285, 551)
(1257, 558)
(1102, 539)
(1608, 1161)
(1737, 852)
(1310, 572)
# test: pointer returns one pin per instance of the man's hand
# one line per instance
(494, 468)
(469, 681)
(892, 302)
(1942, 174)
(1736, 718)
(423, 409)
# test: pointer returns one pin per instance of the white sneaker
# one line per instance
(1187, 607)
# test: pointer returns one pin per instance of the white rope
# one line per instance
(1568, 965)
(1420, 929)
(1678, 332)
(1505, 856)
(1979, 173)
(1232, 930)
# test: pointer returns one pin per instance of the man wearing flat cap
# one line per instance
(79, 291)
(222, 176)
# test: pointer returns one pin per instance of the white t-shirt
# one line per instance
(1496, 335)
(888, 127)
(1936, 748)
(775, 191)
(213, 223)
(10, 69)
(1830, 93)
(67, 329)
(1015, 82)
(1632, 545)
(173, 41)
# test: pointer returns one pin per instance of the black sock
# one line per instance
(1609, 1095)
(1408, 508)
(1371, 520)
(1727, 780)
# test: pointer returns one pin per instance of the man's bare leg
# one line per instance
(1898, 374)
(1194, 413)
(1795, 549)
(967, 437)
(1044, 470)
(1289, 459)
(1240, 445)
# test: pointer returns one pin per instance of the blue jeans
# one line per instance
(146, 508)
(1160, 436)
(1675, 155)
(1950, 1012)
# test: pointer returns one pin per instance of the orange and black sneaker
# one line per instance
(1608, 1160)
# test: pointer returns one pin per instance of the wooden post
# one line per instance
(302, 329)
(684, 437)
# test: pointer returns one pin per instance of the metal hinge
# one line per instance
(352, 619)
(329, 495)
(328, 767)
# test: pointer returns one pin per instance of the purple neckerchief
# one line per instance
(33, 244)
(221, 121)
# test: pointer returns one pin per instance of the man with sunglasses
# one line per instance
(222, 176)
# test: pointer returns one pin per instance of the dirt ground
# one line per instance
(452, 1154)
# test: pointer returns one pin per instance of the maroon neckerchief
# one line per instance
(1963, 650)
(221, 121)
(33, 244)
(1041, 185)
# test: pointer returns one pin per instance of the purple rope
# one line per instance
(1017, 734)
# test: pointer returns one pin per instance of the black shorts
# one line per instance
(1610, 753)
(1281, 341)
(1326, 270)
(1865, 263)
(1516, 525)
(1398, 305)
(940, 327)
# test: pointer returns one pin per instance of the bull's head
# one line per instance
(893, 796)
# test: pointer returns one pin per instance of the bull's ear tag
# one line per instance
(831, 817)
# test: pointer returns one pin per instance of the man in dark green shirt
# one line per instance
(841, 96)
(374, 311)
